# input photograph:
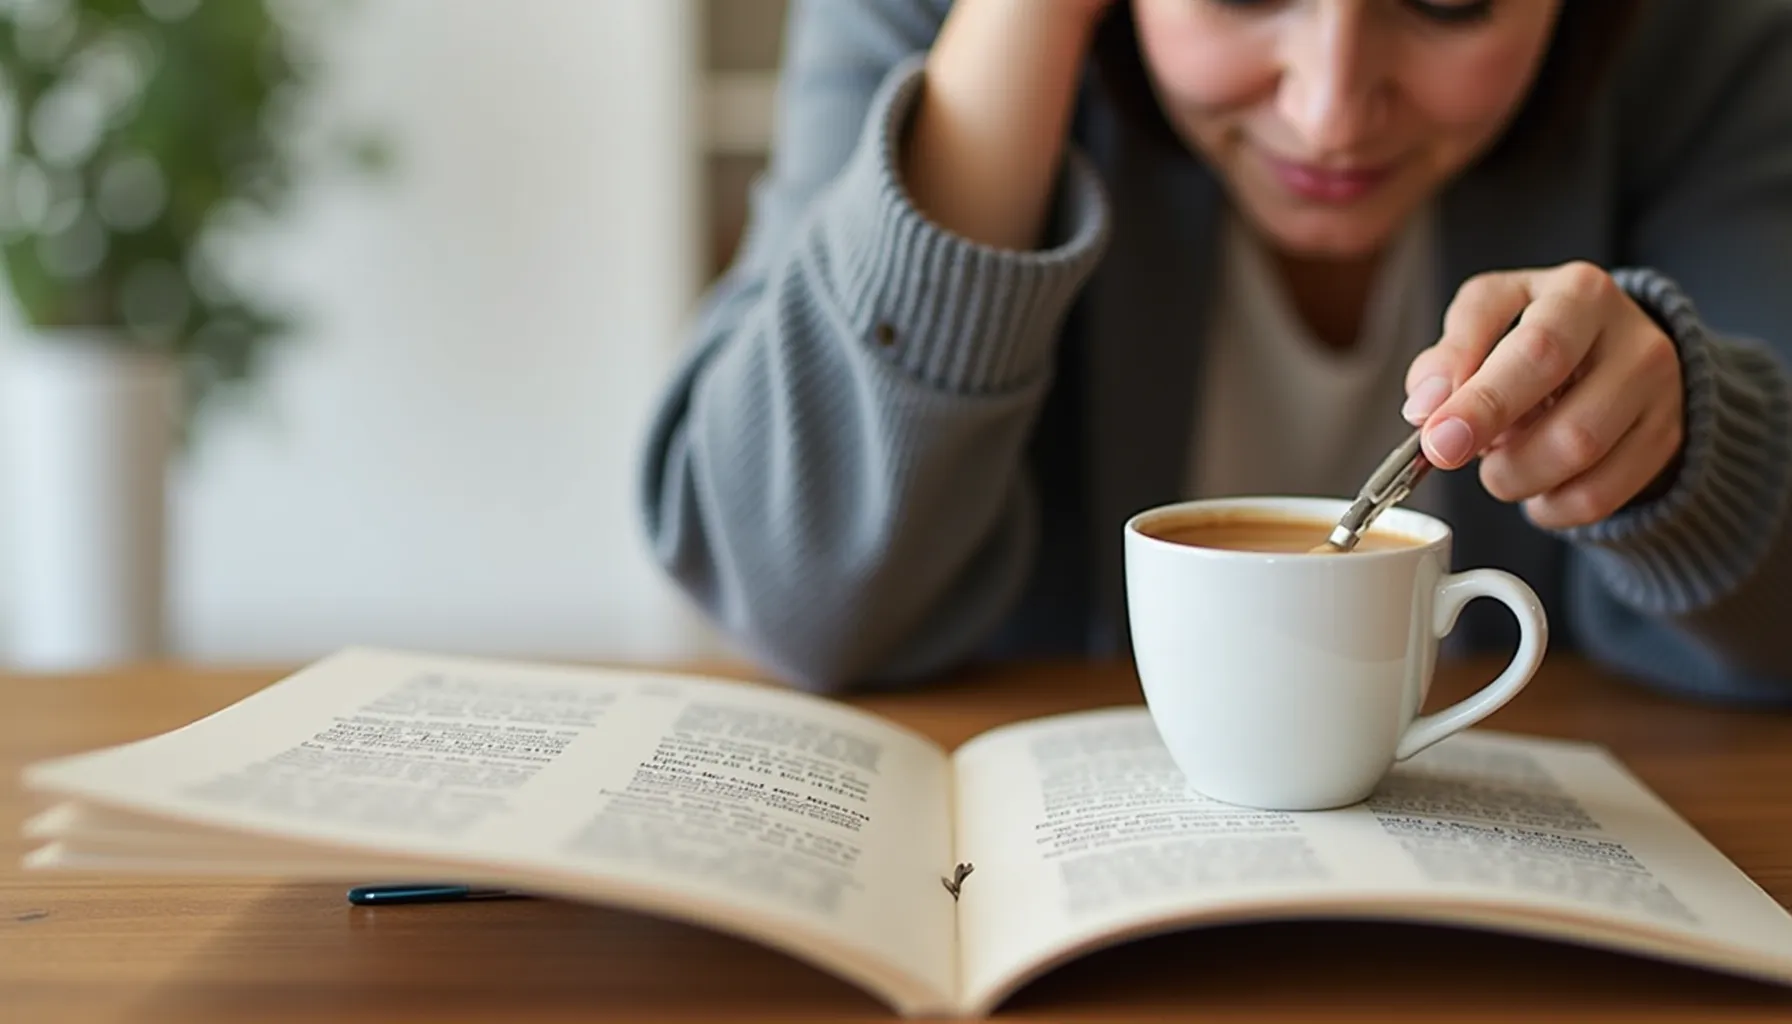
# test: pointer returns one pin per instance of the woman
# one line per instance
(1023, 267)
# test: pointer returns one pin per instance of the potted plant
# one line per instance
(137, 136)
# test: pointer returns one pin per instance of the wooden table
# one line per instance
(83, 949)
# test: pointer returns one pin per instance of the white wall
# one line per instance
(447, 458)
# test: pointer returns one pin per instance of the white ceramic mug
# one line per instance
(1294, 681)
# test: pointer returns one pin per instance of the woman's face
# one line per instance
(1331, 121)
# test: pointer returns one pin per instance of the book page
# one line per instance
(721, 801)
(1081, 829)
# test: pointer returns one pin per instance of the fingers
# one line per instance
(1633, 464)
(1484, 309)
(1643, 383)
(1564, 439)
(1567, 390)
(1554, 335)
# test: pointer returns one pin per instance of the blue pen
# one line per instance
(423, 892)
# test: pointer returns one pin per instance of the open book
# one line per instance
(939, 881)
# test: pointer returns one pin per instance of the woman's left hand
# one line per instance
(1575, 410)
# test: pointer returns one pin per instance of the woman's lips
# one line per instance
(1335, 185)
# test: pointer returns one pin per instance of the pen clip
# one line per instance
(1391, 483)
(1398, 474)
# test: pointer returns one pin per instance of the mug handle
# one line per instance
(1454, 591)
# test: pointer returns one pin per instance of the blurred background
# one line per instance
(484, 294)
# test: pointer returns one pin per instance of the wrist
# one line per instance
(1039, 43)
(1078, 16)
(1068, 21)
(1661, 300)
(981, 154)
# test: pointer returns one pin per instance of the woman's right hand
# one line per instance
(983, 150)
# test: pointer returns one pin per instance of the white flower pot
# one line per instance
(89, 428)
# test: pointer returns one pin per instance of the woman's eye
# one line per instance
(1443, 13)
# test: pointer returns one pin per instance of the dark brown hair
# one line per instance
(1588, 35)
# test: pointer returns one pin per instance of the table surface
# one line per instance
(79, 948)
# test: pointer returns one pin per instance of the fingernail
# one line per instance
(1425, 399)
(1452, 442)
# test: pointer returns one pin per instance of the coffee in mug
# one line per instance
(1255, 531)
(1295, 683)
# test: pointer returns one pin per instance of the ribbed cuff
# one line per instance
(962, 316)
(1725, 517)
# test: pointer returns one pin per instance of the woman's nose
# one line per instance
(1332, 89)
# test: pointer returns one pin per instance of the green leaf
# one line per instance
(205, 117)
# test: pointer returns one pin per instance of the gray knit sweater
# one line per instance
(891, 451)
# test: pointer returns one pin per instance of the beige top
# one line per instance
(1281, 413)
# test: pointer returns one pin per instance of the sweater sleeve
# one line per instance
(835, 474)
(1692, 589)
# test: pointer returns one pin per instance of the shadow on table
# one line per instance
(302, 953)
(1388, 971)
